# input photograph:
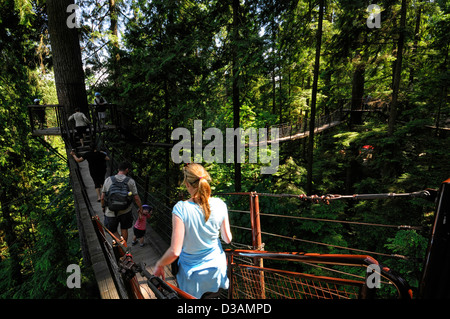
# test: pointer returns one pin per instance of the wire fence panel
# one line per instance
(262, 275)
(264, 283)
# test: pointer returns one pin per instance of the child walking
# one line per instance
(141, 225)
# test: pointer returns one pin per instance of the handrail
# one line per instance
(38, 112)
(326, 199)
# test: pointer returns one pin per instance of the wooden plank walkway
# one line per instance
(303, 134)
(149, 254)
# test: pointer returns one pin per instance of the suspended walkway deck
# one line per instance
(96, 252)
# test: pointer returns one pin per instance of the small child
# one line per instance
(141, 225)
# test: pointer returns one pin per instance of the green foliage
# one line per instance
(409, 243)
(176, 66)
(38, 237)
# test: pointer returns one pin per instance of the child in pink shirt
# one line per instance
(141, 225)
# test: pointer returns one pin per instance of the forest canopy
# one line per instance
(248, 64)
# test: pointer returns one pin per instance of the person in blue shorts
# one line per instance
(198, 223)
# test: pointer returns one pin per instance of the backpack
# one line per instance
(100, 108)
(118, 196)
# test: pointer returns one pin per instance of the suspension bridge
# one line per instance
(124, 271)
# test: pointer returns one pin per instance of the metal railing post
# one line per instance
(230, 275)
(256, 240)
(435, 276)
(257, 223)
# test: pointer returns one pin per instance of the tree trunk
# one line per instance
(235, 98)
(314, 98)
(357, 92)
(114, 47)
(412, 65)
(66, 53)
(397, 70)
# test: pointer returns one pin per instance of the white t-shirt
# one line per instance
(80, 119)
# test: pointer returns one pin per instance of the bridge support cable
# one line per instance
(294, 238)
(48, 146)
(327, 199)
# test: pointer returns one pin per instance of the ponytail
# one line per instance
(198, 177)
(201, 197)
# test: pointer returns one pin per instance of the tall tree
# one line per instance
(29, 172)
(67, 63)
(114, 47)
(15, 149)
(397, 69)
(235, 87)
(314, 98)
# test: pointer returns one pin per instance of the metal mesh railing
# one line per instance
(279, 284)
(255, 281)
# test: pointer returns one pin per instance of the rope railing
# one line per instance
(327, 200)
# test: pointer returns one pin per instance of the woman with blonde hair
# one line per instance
(196, 225)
